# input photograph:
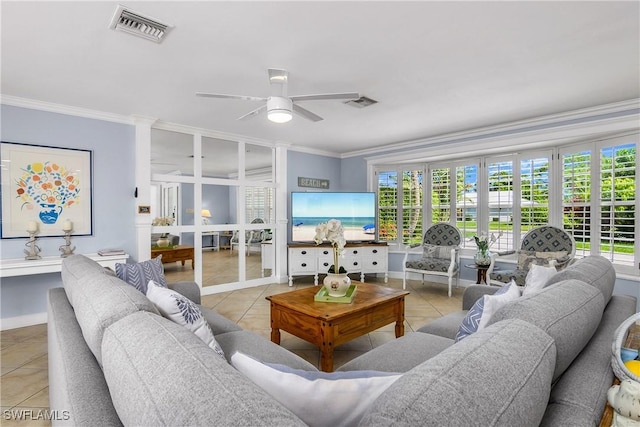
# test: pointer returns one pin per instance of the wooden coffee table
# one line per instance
(328, 324)
(176, 253)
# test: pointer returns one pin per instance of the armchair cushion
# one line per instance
(505, 276)
(431, 264)
(435, 251)
(528, 258)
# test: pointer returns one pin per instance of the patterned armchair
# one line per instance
(252, 237)
(439, 254)
(545, 245)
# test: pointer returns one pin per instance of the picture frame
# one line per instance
(46, 185)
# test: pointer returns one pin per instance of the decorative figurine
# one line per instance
(32, 253)
(66, 249)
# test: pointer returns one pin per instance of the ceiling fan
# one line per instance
(279, 106)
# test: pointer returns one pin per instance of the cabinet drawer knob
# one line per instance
(304, 264)
(304, 252)
(355, 263)
(326, 264)
(325, 252)
(375, 251)
(355, 252)
(375, 262)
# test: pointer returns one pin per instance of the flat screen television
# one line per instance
(356, 211)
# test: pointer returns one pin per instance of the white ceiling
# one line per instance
(434, 67)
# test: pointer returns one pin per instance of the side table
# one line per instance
(482, 272)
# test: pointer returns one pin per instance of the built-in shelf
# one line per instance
(23, 267)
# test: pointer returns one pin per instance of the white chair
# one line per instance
(252, 237)
(547, 239)
(439, 254)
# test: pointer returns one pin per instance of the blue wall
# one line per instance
(113, 147)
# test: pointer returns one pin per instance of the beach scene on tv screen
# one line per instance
(356, 212)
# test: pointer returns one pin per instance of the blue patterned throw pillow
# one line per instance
(138, 275)
(183, 311)
(484, 308)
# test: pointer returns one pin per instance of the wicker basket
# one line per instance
(621, 371)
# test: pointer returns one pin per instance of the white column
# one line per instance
(143, 186)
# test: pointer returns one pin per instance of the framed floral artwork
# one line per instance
(47, 187)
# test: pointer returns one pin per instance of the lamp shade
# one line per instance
(205, 213)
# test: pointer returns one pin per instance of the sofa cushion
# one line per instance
(99, 299)
(580, 394)
(400, 355)
(498, 376)
(446, 326)
(594, 270)
(139, 274)
(76, 383)
(159, 373)
(184, 312)
(568, 311)
(217, 322)
(318, 398)
(261, 348)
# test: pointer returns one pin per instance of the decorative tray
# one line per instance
(323, 296)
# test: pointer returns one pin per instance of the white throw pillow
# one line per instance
(495, 302)
(537, 277)
(181, 310)
(318, 398)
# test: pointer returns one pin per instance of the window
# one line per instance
(440, 195)
(400, 199)
(259, 203)
(388, 205)
(588, 189)
(618, 203)
(576, 198)
(500, 202)
(467, 202)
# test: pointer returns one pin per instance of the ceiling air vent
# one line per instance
(139, 25)
(361, 102)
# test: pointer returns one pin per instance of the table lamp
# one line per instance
(205, 214)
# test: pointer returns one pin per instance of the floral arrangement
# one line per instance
(48, 184)
(162, 221)
(484, 242)
(333, 232)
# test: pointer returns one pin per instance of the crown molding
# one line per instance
(51, 107)
(540, 124)
(175, 127)
(314, 151)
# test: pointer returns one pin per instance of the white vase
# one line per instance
(336, 284)
(163, 242)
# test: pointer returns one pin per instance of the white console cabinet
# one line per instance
(363, 258)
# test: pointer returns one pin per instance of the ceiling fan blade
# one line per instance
(345, 96)
(253, 113)
(306, 113)
(221, 95)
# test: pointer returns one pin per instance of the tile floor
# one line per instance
(23, 351)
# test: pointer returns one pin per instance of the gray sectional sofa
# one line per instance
(543, 360)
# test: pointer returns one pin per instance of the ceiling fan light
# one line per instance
(279, 116)
(279, 109)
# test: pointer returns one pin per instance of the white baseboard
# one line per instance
(22, 321)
